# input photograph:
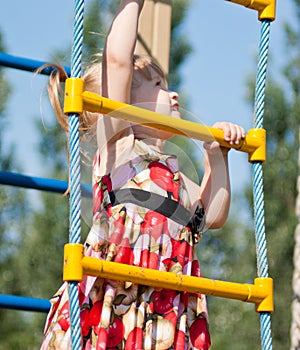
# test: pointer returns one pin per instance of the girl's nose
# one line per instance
(173, 95)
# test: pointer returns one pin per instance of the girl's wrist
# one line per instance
(225, 151)
(217, 158)
(215, 152)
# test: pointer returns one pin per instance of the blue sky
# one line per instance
(225, 40)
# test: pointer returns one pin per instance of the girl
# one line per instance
(146, 212)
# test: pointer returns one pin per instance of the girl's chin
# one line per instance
(176, 114)
(142, 133)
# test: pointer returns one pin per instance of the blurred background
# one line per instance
(213, 48)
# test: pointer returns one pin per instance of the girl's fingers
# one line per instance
(232, 133)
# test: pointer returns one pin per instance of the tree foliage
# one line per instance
(13, 217)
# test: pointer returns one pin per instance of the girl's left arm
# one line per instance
(215, 187)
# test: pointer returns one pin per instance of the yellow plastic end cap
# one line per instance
(266, 9)
(73, 254)
(73, 102)
(267, 304)
(259, 154)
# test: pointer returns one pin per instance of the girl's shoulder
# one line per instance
(116, 152)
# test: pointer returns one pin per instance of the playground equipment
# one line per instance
(76, 264)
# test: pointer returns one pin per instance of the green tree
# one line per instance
(280, 193)
(228, 254)
(289, 151)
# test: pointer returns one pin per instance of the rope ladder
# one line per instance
(76, 264)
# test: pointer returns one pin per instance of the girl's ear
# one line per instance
(137, 78)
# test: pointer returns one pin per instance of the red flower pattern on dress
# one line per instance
(148, 259)
(163, 300)
(101, 185)
(95, 316)
(154, 224)
(179, 340)
(171, 317)
(200, 337)
(64, 317)
(97, 197)
(135, 339)
(181, 251)
(125, 254)
(163, 177)
(85, 322)
(115, 333)
(119, 229)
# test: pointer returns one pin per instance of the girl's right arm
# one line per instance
(117, 66)
(117, 62)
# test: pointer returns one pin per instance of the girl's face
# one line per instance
(152, 94)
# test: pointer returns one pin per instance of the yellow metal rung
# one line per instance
(77, 100)
(254, 144)
(76, 265)
(266, 8)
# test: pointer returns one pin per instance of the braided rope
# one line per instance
(258, 195)
(74, 175)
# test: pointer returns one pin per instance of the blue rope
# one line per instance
(74, 149)
(258, 194)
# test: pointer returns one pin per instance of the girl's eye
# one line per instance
(158, 83)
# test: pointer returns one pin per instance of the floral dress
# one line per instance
(123, 315)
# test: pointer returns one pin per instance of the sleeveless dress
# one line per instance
(122, 315)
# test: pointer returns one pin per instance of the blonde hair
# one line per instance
(58, 76)
(92, 83)
(143, 64)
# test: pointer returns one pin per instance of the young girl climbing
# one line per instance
(146, 212)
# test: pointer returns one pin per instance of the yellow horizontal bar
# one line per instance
(254, 144)
(77, 100)
(76, 266)
(266, 8)
(256, 293)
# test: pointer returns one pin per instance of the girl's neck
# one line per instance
(156, 144)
